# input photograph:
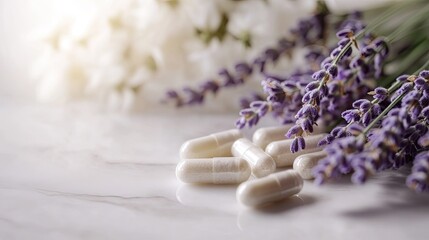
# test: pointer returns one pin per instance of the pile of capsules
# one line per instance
(228, 158)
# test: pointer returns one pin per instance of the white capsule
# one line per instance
(261, 163)
(274, 187)
(264, 136)
(213, 145)
(280, 150)
(305, 163)
(222, 170)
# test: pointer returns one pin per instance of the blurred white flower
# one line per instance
(113, 48)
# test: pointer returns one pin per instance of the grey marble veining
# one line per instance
(72, 173)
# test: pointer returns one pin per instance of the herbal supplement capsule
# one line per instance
(274, 187)
(280, 150)
(222, 170)
(305, 163)
(261, 163)
(213, 145)
(264, 136)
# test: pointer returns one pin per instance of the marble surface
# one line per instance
(72, 173)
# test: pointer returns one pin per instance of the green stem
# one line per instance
(424, 66)
(417, 18)
(393, 10)
(417, 53)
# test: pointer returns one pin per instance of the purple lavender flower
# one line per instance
(419, 177)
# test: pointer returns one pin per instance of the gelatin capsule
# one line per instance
(280, 150)
(213, 145)
(260, 162)
(271, 188)
(266, 135)
(305, 163)
(218, 170)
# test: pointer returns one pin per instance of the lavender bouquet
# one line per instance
(352, 77)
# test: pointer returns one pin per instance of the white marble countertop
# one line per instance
(73, 174)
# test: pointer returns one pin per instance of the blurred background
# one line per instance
(125, 55)
(22, 24)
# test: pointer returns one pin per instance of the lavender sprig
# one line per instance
(308, 32)
(341, 79)
(391, 144)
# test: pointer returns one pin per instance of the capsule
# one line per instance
(260, 162)
(305, 163)
(280, 150)
(219, 170)
(271, 188)
(213, 145)
(264, 136)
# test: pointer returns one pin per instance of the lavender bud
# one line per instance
(243, 69)
(424, 140)
(333, 71)
(263, 110)
(421, 83)
(380, 93)
(367, 118)
(246, 112)
(424, 74)
(335, 52)
(358, 103)
(368, 51)
(314, 94)
(333, 88)
(402, 78)
(406, 87)
(365, 106)
(240, 123)
(306, 98)
(301, 143)
(345, 33)
(355, 129)
(306, 125)
(357, 62)
(319, 75)
(376, 109)
(253, 121)
(311, 86)
(359, 176)
(210, 86)
(295, 130)
(294, 147)
(257, 104)
(325, 61)
(343, 42)
(172, 94)
(272, 54)
(425, 112)
(351, 115)
(336, 130)
(424, 101)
